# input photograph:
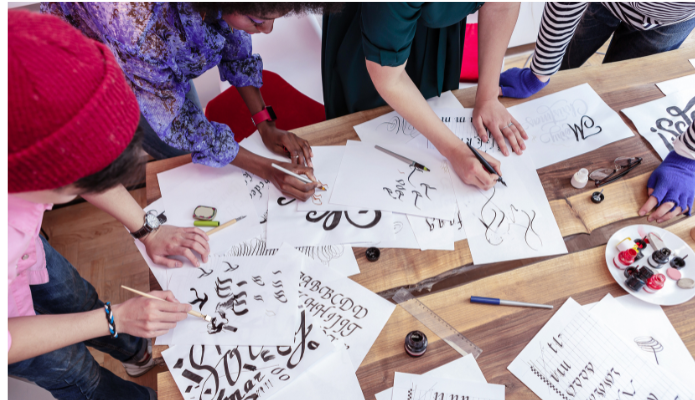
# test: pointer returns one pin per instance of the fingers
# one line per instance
(167, 262)
(648, 205)
(676, 212)
(519, 139)
(661, 211)
(301, 191)
(520, 128)
(299, 149)
(194, 245)
(198, 232)
(480, 128)
(308, 154)
(499, 138)
(166, 306)
(495, 163)
(186, 252)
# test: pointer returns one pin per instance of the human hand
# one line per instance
(290, 185)
(521, 83)
(672, 187)
(471, 171)
(175, 241)
(492, 114)
(148, 318)
(286, 144)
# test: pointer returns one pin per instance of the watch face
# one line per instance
(152, 221)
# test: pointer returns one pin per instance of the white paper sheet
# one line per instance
(339, 258)
(403, 235)
(677, 84)
(424, 387)
(372, 179)
(250, 300)
(246, 371)
(392, 128)
(662, 121)
(333, 377)
(576, 356)
(646, 327)
(464, 368)
(320, 228)
(347, 312)
(191, 185)
(566, 124)
(432, 233)
(692, 61)
(510, 222)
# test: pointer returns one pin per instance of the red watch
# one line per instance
(267, 114)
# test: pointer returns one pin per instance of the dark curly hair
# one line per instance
(261, 9)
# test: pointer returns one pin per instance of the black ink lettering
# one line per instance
(198, 299)
(377, 218)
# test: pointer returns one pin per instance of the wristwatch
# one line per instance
(267, 114)
(151, 224)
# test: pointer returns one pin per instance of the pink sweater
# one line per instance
(27, 260)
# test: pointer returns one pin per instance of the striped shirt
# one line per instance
(560, 20)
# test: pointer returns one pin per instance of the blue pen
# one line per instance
(498, 302)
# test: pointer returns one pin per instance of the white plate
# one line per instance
(671, 294)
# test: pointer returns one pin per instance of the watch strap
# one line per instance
(267, 114)
(146, 229)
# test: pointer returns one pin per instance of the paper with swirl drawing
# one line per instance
(566, 124)
(252, 300)
(663, 120)
(428, 387)
(510, 222)
(315, 228)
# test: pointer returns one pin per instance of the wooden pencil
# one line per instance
(225, 225)
(192, 312)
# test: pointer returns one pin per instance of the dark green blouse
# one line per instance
(427, 35)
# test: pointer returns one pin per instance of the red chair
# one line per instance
(469, 63)
(293, 109)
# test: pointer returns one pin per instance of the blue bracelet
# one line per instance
(109, 320)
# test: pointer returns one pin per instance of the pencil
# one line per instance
(225, 225)
(301, 178)
(486, 164)
(192, 312)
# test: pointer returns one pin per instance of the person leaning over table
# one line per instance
(161, 47)
(72, 123)
(399, 54)
(571, 32)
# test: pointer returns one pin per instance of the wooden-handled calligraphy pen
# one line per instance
(404, 159)
(225, 225)
(486, 164)
(192, 312)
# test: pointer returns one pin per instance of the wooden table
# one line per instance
(450, 275)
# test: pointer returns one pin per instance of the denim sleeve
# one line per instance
(239, 66)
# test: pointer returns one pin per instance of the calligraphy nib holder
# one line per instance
(501, 181)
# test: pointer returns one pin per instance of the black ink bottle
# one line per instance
(415, 343)
(659, 258)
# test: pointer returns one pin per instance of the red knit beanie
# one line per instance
(70, 111)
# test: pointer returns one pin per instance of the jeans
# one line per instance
(71, 372)
(598, 24)
(155, 146)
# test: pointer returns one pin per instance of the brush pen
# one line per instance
(301, 178)
(486, 164)
(149, 296)
(499, 302)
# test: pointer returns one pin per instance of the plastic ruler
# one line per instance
(436, 324)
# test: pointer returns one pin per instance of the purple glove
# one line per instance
(520, 83)
(674, 180)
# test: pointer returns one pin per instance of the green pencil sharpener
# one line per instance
(204, 213)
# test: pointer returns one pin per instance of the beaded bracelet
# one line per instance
(109, 320)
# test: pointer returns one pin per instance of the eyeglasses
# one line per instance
(623, 165)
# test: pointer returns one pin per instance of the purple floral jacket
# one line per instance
(161, 47)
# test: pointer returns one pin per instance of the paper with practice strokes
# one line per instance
(347, 312)
(372, 179)
(403, 235)
(510, 222)
(460, 123)
(186, 187)
(576, 356)
(339, 258)
(320, 228)
(566, 124)
(464, 368)
(663, 120)
(677, 84)
(242, 372)
(392, 128)
(425, 387)
(331, 378)
(251, 300)
(646, 327)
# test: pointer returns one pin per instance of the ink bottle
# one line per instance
(634, 283)
(645, 273)
(641, 244)
(659, 258)
(631, 271)
(624, 258)
(678, 262)
(415, 343)
(655, 283)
